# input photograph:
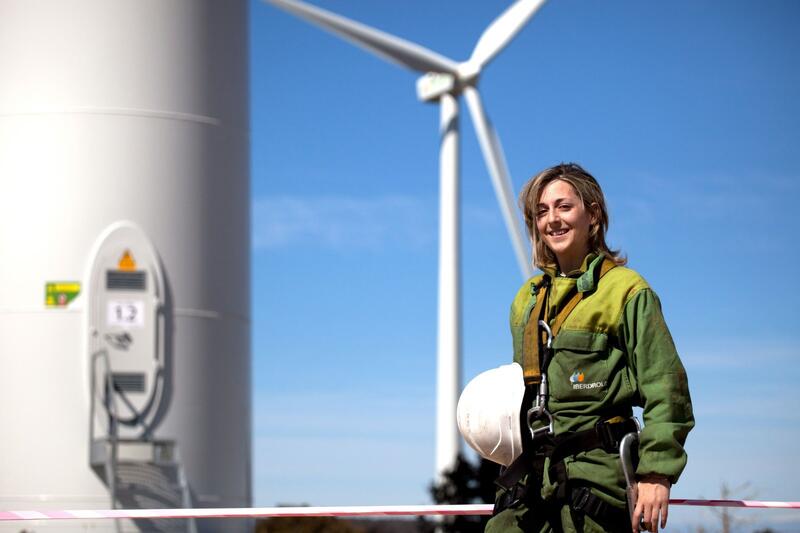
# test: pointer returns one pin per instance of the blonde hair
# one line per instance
(590, 193)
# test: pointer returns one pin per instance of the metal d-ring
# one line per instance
(535, 414)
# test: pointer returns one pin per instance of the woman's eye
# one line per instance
(565, 207)
(541, 212)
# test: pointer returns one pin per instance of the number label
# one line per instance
(125, 313)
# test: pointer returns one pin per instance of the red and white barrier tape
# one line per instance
(753, 504)
(246, 512)
(352, 511)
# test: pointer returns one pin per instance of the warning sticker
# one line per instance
(127, 263)
(60, 293)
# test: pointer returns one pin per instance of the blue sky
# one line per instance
(687, 113)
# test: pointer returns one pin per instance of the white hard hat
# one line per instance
(488, 413)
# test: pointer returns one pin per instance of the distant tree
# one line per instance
(466, 483)
(726, 518)
(312, 524)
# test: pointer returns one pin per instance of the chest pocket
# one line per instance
(579, 369)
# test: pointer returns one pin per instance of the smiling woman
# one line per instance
(592, 343)
(566, 206)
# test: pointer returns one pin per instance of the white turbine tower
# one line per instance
(443, 81)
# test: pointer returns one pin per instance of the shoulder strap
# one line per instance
(531, 340)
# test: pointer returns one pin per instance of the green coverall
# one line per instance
(613, 352)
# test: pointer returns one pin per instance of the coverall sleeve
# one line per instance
(662, 386)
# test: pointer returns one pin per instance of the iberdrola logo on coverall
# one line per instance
(577, 378)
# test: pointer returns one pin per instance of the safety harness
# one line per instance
(540, 443)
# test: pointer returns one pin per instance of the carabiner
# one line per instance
(539, 410)
(626, 446)
(549, 343)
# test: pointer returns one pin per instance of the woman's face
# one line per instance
(564, 224)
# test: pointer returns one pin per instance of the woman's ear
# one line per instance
(594, 212)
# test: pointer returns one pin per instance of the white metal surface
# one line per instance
(389, 47)
(448, 367)
(113, 110)
(504, 28)
(501, 179)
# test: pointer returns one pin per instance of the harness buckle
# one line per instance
(606, 434)
(510, 498)
(581, 499)
(611, 432)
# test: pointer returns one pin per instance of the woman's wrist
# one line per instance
(654, 478)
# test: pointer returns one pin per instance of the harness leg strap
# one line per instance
(602, 512)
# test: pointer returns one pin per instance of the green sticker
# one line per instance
(60, 293)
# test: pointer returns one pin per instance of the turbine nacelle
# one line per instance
(431, 86)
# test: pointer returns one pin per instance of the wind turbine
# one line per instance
(443, 80)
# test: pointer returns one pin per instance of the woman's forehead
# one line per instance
(558, 190)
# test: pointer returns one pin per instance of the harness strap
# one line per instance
(531, 460)
(510, 498)
(531, 339)
(510, 477)
(582, 500)
(605, 434)
(510, 481)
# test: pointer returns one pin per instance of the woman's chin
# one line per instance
(560, 248)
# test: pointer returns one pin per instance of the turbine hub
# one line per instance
(468, 73)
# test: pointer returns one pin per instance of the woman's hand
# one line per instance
(653, 500)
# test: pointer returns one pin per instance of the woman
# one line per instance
(611, 350)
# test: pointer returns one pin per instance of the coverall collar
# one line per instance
(586, 275)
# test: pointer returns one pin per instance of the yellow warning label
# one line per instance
(60, 293)
(126, 262)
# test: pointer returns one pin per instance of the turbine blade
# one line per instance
(391, 48)
(498, 170)
(503, 29)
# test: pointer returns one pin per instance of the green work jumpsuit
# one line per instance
(613, 352)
